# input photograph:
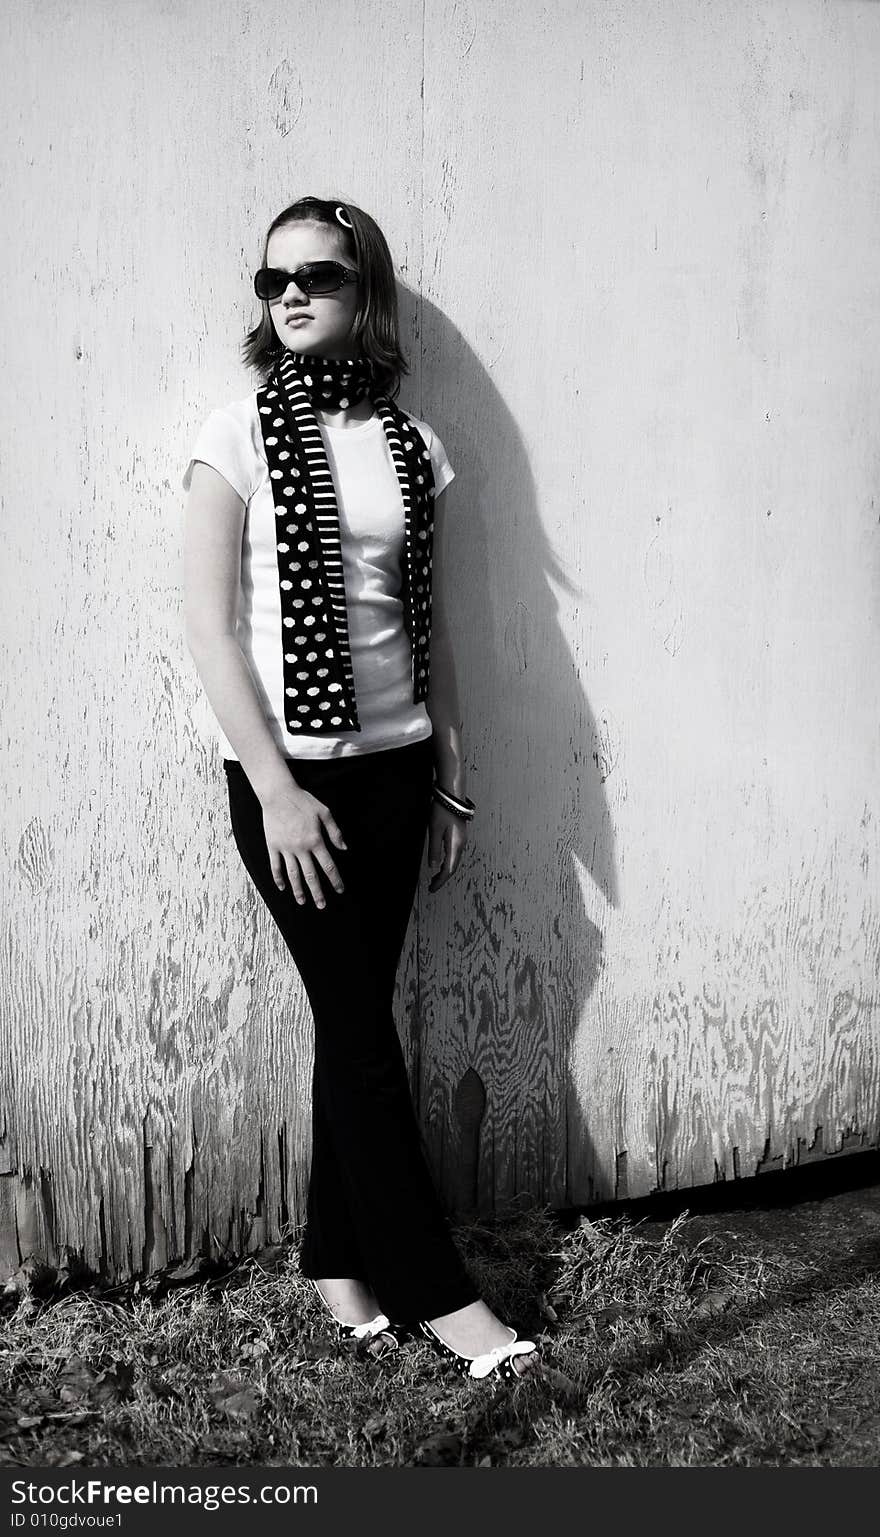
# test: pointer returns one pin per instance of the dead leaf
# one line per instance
(31, 1275)
(271, 1257)
(77, 1380)
(160, 1387)
(596, 1240)
(562, 1385)
(714, 1301)
(442, 1450)
(114, 1385)
(610, 1314)
(74, 1272)
(252, 1350)
(375, 1426)
(190, 1270)
(316, 1350)
(234, 1396)
(547, 1308)
(241, 1406)
(508, 1439)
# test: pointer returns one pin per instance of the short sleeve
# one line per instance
(443, 471)
(223, 443)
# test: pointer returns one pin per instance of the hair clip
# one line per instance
(342, 216)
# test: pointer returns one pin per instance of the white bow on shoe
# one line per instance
(482, 1365)
(374, 1326)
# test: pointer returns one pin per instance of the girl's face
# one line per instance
(328, 318)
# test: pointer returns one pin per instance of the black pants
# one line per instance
(373, 1212)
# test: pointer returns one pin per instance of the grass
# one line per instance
(725, 1340)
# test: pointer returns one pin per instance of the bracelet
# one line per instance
(461, 808)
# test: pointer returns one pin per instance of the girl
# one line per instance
(315, 620)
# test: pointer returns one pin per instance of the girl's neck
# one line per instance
(334, 397)
(349, 416)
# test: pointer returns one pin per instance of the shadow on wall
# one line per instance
(508, 964)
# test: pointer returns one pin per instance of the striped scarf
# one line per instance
(319, 695)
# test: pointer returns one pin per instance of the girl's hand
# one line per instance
(294, 823)
(447, 836)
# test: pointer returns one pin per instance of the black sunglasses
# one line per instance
(313, 278)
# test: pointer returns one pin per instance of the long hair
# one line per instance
(376, 324)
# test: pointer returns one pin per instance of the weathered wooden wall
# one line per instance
(644, 239)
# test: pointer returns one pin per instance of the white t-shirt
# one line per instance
(371, 526)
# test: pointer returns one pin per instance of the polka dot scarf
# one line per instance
(319, 692)
(331, 382)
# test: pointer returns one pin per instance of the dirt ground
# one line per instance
(825, 1214)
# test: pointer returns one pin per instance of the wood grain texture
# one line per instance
(635, 245)
(661, 958)
(155, 1038)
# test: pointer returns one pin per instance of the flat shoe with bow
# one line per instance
(497, 1362)
(379, 1328)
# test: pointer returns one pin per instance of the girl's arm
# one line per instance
(212, 568)
(447, 833)
(294, 821)
(442, 703)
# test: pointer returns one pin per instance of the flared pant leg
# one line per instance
(373, 1211)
